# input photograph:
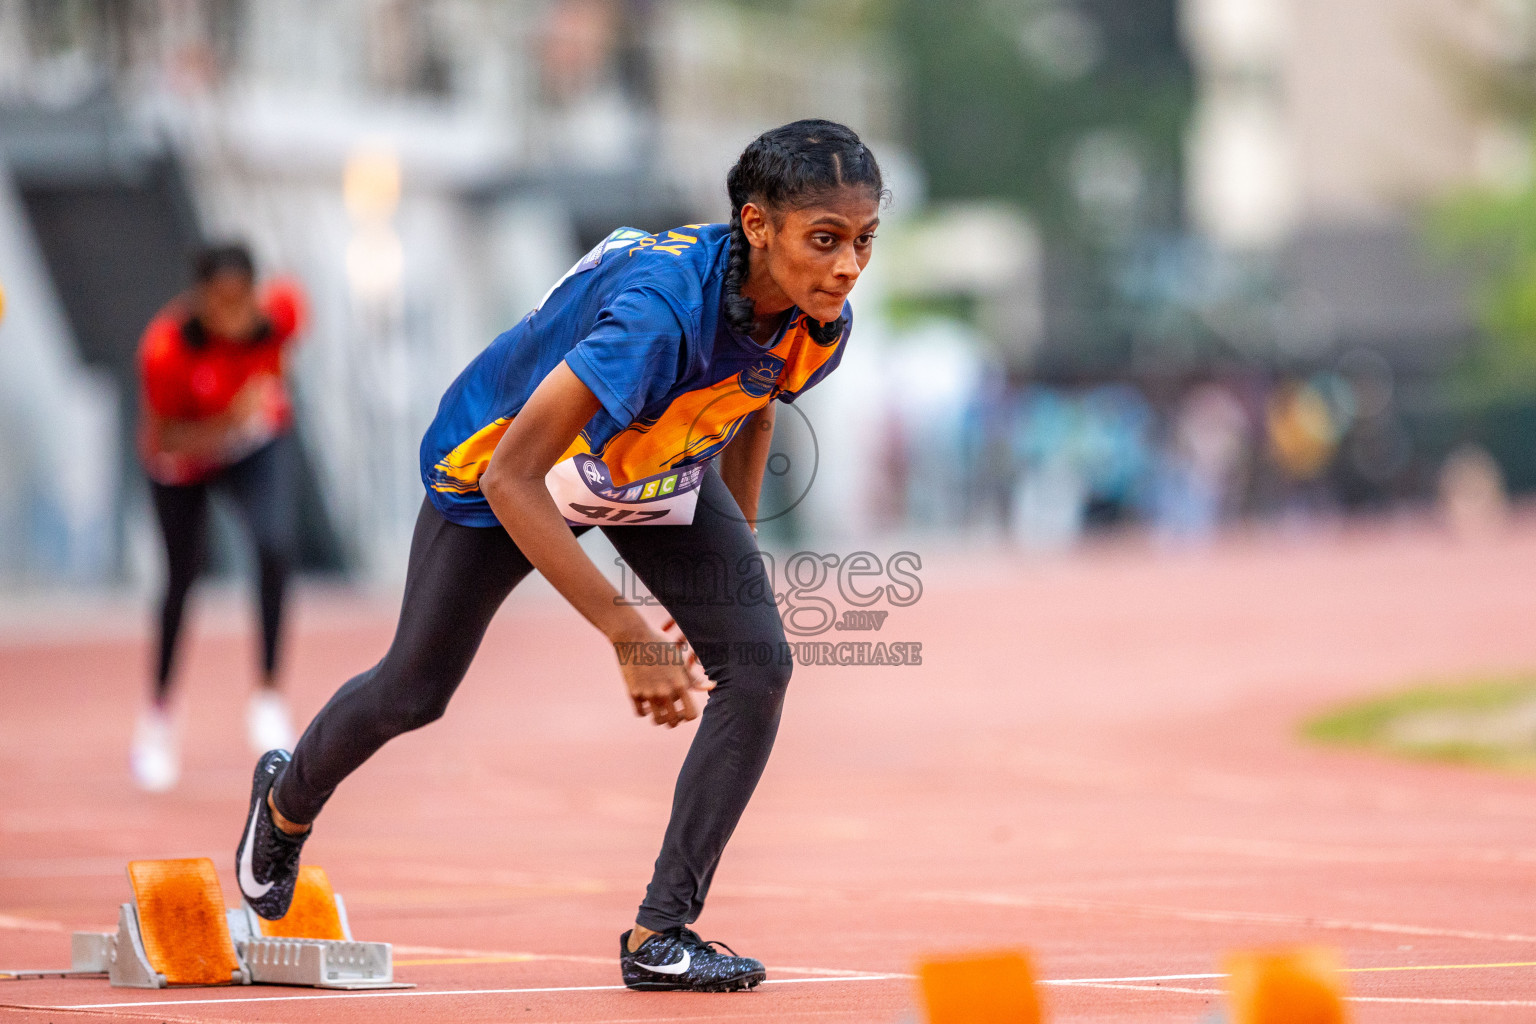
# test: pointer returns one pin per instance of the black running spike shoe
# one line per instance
(679, 961)
(267, 859)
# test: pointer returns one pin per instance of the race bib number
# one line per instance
(586, 495)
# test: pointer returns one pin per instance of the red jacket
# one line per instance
(182, 380)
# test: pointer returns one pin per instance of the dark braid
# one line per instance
(738, 308)
(790, 168)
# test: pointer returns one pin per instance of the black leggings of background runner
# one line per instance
(708, 575)
(261, 487)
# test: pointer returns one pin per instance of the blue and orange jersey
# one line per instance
(641, 321)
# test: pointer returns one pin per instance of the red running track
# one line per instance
(1096, 761)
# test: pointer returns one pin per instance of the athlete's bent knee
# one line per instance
(414, 714)
(762, 688)
(778, 679)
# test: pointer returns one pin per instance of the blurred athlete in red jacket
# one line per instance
(216, 416)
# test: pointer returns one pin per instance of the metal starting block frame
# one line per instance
(322, 963)
(260, 959)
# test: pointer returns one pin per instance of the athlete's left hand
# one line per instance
(697, 679)
(659, 687)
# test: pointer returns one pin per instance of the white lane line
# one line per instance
(29, 924)
(401, 949)
(852, 977)
(1151, 988)
(1427, 1001)
(1396, 1000)
(63, 867)
(511, 957)
(398, 994)
(493, 955)
(1115, 981)
(833, 973)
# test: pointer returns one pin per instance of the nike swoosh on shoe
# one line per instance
(249, 887)
(681, 967)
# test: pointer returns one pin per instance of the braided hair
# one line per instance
(791, 167)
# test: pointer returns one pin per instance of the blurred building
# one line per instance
(1322, 132)
(426, 167)
(1283, 325)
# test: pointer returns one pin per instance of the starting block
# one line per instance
(178, 932)
(995, 988)
(1286, 986)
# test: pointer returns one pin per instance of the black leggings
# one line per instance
(709, 575)
(262, 490)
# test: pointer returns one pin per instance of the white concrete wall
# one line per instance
(59, 438)
(1338, 112)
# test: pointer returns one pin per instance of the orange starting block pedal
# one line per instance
(316, 912)
(990, 989)
(1286, 986)
(178, 932)
(183, 930)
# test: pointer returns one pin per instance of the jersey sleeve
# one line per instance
(828, 365)
(631, 355)
(163, 367)
(284, 305)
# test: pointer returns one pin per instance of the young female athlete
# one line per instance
(215, 417)
(606, 406)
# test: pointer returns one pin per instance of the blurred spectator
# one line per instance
(1076, 456)
(1303, 429)
(1050, 497)
(216, 417)
(578, 44)
(1203, 471)
(1377, 451)
(892, 476)
(1116, 425)
(1472, 497)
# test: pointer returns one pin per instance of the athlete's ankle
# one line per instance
(291, 828)
(638, 936)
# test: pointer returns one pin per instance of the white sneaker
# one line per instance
(155, 759)
(269, 726)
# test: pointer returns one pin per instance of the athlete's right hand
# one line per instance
(659, 690)
(252, 398)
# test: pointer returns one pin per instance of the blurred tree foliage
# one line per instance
(1491, 230)
(1075, 110)
(1048, 103)
(1054, 104)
